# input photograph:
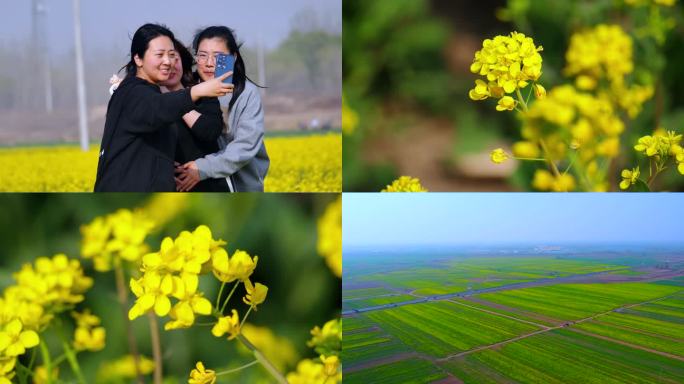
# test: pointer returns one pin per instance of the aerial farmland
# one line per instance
(551, 314)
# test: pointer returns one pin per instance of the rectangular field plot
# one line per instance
(375, 301)
(658, 326)
(576, 301)
(564, 356)
(443, 328)
(405, 371)
(363, 341)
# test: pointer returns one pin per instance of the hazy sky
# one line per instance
(385, 219)
(110, 23)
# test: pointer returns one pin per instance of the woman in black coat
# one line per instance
(198, 131)
(139, 141)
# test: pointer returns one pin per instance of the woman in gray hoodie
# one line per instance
(242, 159)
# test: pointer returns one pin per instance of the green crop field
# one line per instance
(576, 301)
(443, 328)
(405, 371)
(564, 356)
(630, 332)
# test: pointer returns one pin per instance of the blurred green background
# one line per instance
(281, 229)
(406, 77)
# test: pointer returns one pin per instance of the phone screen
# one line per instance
(224, 63)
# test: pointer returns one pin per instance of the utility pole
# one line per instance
(80, 78)
(41, 49)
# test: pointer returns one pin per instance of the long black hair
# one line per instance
(239, 72)
(187, 78)
(141, 41)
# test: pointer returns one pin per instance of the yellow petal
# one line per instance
(29, 339)
(162, 305)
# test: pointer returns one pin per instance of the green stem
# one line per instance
(73, 362)
(218, 298)
(229, 296)
(237, 369)
(156, 348)
(521, 100)
(123, 302)
(45, 353)
(554, 168)
(263, 360)
(245, 318)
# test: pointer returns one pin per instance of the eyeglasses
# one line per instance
(203, 57)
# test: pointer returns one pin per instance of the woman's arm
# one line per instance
(248, 139)
(150, 110)
(205, 121)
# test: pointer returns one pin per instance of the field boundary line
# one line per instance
(499, 314)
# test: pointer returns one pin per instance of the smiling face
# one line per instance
(159, 58)
(174, 81)
(206, 62)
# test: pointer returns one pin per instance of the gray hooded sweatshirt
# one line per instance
(242, 159)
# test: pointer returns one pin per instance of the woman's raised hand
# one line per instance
(212, 88)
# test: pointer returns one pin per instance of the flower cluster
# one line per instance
(330, 236)
(117, 236)
(661, 148)
(200, 375)
(509, 63)
(42, 290)
(327, 342)
(604, 51)
(89, 335)
(174, 272)
(405, 184)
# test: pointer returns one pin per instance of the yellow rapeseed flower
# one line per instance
(256, 294)
(190, 303)
(506, 103)
(308, 372)
(498, 156)
(152, 291)
(331, 365)
(238, 267)
(507, 62)
(227, 324)
(40, 375)
(629, 177)
(604, 51)
(14, 340)
(125, 368)
(405, 184)
(328, 339)
(329, 244)
(199, 375)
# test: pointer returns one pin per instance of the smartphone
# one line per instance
(224, 63)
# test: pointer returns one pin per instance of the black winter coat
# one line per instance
(201, 140)
(139, 140)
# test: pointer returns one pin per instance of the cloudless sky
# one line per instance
(110, 23)
(388, 219)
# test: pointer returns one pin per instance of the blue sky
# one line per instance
(395, 219)
(108, 23)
